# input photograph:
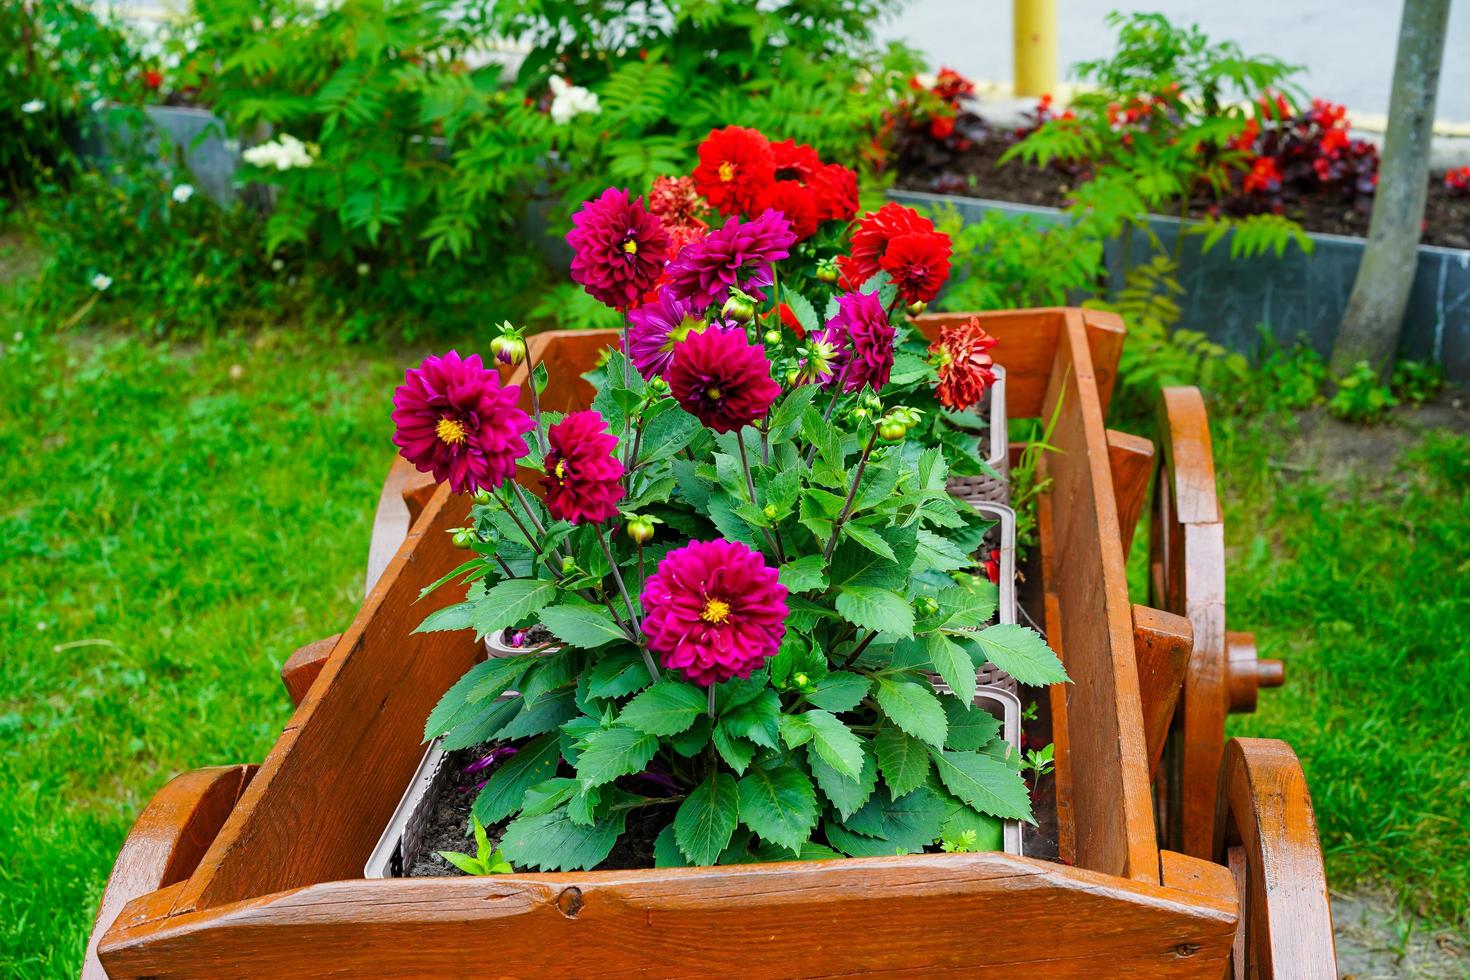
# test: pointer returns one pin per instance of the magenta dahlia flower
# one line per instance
(714, 610)
(739, 254)
(656, 328)
(454, 419)
(867, 338)
(619, 248)
(722, 379)
(584, 477)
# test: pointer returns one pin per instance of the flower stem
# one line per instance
(857, 481)
(837, 386)
(750, 492)
(859, 649)
(612, 563)
(535, 401)
(711, 709)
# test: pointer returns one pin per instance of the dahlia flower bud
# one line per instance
(739, 307)
(640, 529)
(508, 349)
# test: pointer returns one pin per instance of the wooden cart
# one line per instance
(256, 870)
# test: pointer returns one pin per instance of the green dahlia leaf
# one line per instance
(847, 795)
(666, 708)
(587, 627)
(914, 708)
(1022, 653)
(552, 842)
(953, 664)
(880, 610)
(614, 752)
(779, 805)
(985, 783)
(835, 743)
(904, 761)
(707, 818)
(509, 602)
(970, 727)
(505, 792)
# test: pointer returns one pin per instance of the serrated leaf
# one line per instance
(904, 761)
(544, 716)
(618, 674)
(707, 818)
(840, 691)
(953, 664)
(484, 724)
(494, 676)
(736, 752)
(786, 418)
(505, 792)
(455, 617)
(614, 752)
(846, 794)
(970, 727)
(941, 554)
(986, 784)
(779, 805)
(758, 720)
(910, 822)
(961, 609)
(802, 308)
(880, 610)
(553, 842)
(666, 708)
(913, 708)
(804, 574)
(989, 831)
(586, 627)
(508, 602)
(1022, 653)
(869, 539)
(835, 743)
(824, 436)
(666, 853)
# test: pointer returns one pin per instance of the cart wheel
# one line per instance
(1187, 577)
(1266, 834)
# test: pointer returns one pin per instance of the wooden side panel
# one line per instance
(327, 788)
(1060, 734)
(392, 519)
(166, 842)
(1195, 875)
(1131, 462)
(1162, 643)
(1111, 806)
(924, 915)
(1105, 335)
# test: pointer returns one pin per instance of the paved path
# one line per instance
(1348, 45)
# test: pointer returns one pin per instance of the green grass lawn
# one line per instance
(174, 521)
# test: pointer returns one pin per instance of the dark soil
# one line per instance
(533, 637)
(974, 173)
(448, 828)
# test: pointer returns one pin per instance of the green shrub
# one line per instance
(1361, 397)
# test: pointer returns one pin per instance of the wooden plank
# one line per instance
(302, 668)
(928, 915)
(1199, 877)
(166, 842)
(391, 521)
(1265, 822)
(1131, 463)
(1188, 455)
(1060, 734)
(1105, 336)
(1162, 643)
(1110, 787)
(328, 786)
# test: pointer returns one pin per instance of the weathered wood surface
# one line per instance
(166, 842)
(1266, 831)
(1188, 570)
(922, 915)
(1131, 463)
(1162, 642)
(1082, 563)
(328, 786)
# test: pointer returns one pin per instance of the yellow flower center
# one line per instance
(630, 246)
(450, 432)
(727, 172)
(715, 611)
(561, 470)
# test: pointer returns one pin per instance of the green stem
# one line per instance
(535, 401)
(750, 493)
(851, 494)
(612, 563)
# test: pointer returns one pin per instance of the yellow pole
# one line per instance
(1035, 23)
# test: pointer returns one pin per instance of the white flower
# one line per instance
(363, 268)
(926, 80)
(283, 154)
(100, 282)
(18, 337)
(278, 264)
(41, 627)
(182, 193)
(569, 101)
(32, 107)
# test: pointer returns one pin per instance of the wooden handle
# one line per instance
(303, 666)
(1247, 673)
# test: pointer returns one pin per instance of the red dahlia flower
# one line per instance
(676, 201)
(863, 338)
(715, 610)
(795, 203)
(584, 478)
(874, 234)
(455, 420)
(722, 379)
(836, 190)
(918, 264)
(966, 368)
(735, 165)
(739, 254)
(790, 322)
(619, 248)
(1263, 176)
(992, 566)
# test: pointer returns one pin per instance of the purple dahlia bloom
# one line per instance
(739, 254)
(656, 328)
(619, 248)
(866, 340)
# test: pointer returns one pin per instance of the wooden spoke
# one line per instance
(1266, 834)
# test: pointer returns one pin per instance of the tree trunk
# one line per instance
(1375, 312)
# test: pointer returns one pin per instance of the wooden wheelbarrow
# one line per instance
(256, 871)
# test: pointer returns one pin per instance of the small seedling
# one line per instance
(485, 861)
